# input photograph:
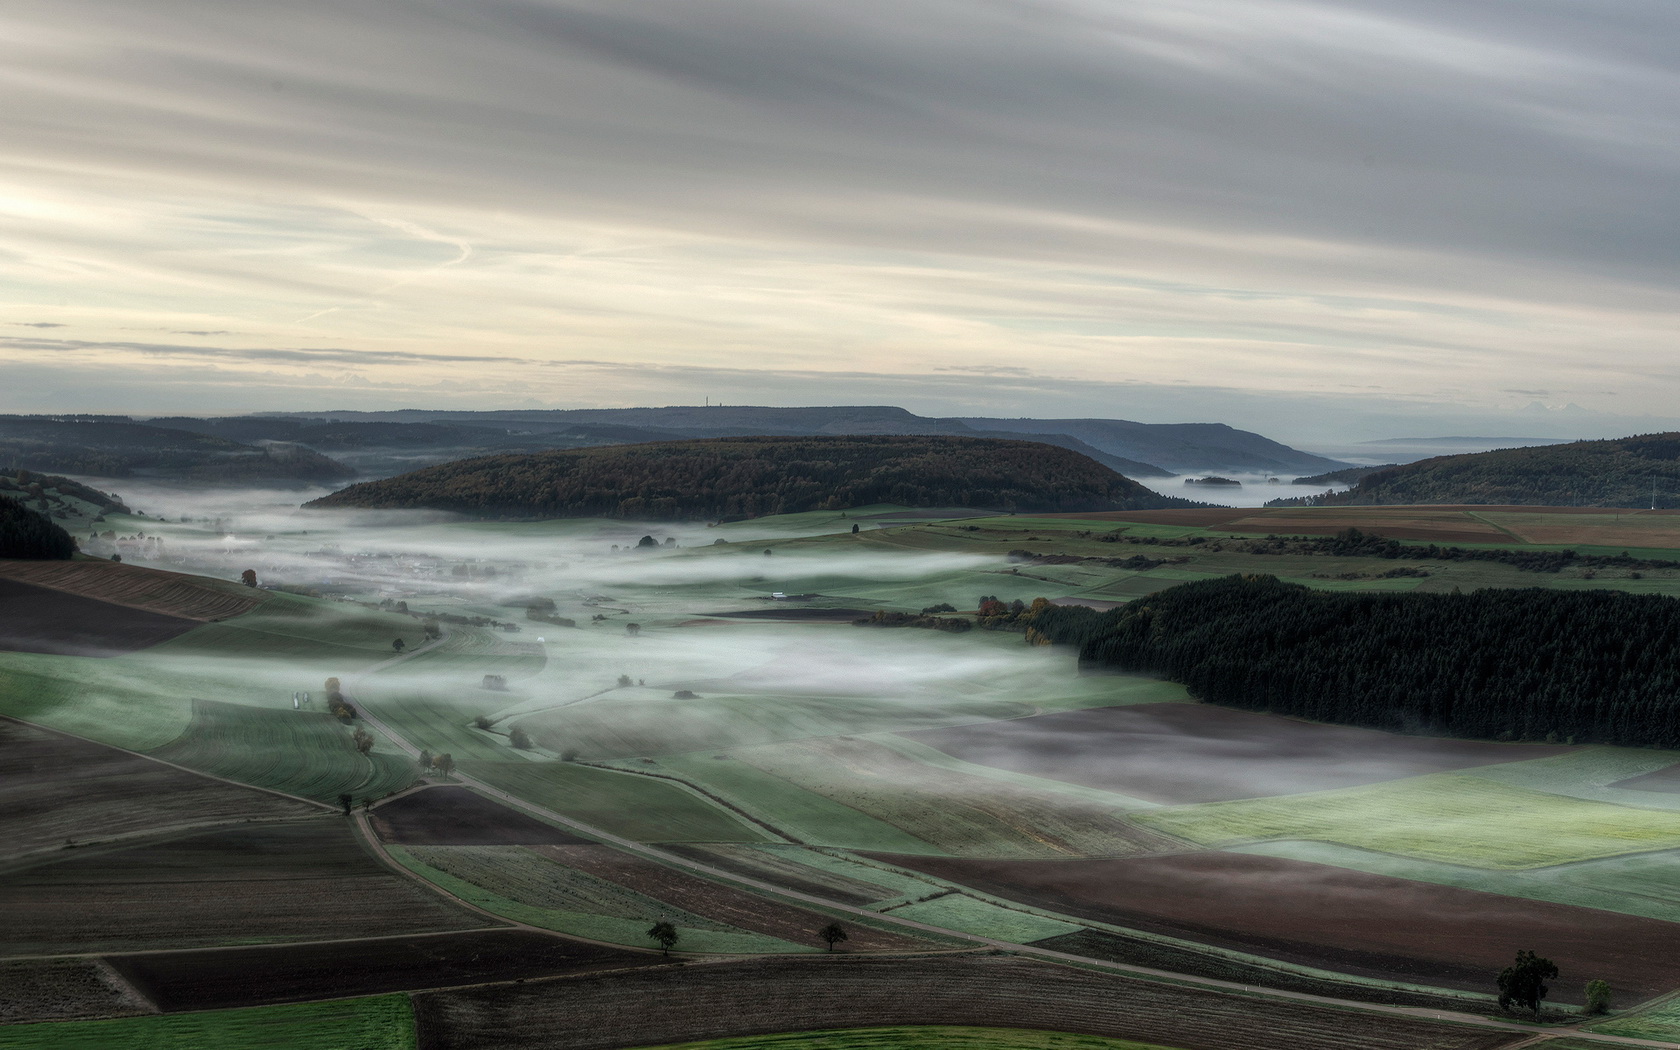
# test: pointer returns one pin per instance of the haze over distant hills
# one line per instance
(1134, 449)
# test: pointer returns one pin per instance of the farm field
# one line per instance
(458, 816)
(221, 978)
(62, 989)
(835, 877)
(1332, 918)
(245, 885)
(56, 789)
(39, 620)
(307, 753)
(954, 812)
(665, 1005)
(1178, 753)
(383, 1022)
(634, 806)
(1659, 1022)
(154, 590)
(919, 1038)
(1450, 817)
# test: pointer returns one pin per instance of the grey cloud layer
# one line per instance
(1536, 135)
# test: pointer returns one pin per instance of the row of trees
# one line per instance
(1527, 664)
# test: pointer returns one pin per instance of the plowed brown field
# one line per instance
(1336, 919)
(1200, 753)
(457, 816)
(738, 908)
(41, 620)
(679, 1004)
(155, 590)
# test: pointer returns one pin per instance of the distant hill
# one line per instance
(116, 447)
(1616, 473)
(755, 476)
(1136, 449)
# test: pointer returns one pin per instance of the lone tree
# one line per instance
(1524, 982)
(345, 800)
(248, 577)
(833, 933)
(632, 629)
(444, 763)
(520, 739)
(1598, 997)
(647, 541)
(399, 645)
(664, 934)
(363, 740)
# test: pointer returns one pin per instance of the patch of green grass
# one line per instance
(806, 815)
(1660, 1022)
(1449, 817)
(636, 807)
(308, 753)
(958, 911)
(918, 1038)
(1590, 773)
(384, 1022)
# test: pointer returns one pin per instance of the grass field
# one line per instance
(308, 753)
(638, 807)
(916, 1038)
(1454, 818)
(959, 911)
(1660, 1022)
(384, 1022)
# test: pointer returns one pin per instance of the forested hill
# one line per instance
(1581, 666)
(755, 476)
(27, 534)
(1617, 473)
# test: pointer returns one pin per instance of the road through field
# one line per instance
(1027, 950)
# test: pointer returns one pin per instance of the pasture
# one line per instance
(634, 805)
(1450, 817)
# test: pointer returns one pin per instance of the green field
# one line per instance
(636, 807)
(1660, 1022)
(306, 753)
(1449, 817)
(958, 911)
(384, 1022)
(908, 1038)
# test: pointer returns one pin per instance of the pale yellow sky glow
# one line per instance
(1244, 210)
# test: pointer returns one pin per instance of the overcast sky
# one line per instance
(1319, 220)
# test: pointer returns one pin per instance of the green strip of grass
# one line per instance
(1662, 1023)
(384, 1022)
(919, 1038)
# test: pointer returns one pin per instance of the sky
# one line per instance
(1327, 222)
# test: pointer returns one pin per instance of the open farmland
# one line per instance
(381, 1023)
(307, 753)
(1447, 817)
(152, 590)
(664, 1005)
(458, 816)
(1175, 753)
(1658, 1022)
(55, 790)
(58, 989)
(782, 866)
(305, 880)
(1333, 919)
(736, 908)
(635, 806)
(956, 812)
(38, 620)
(222, 978)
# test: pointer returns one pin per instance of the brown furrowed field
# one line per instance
(733, 907)
(957, 812)
(1176, 753)
(154, 590)
(458, 816)
(1334, 918)
(40, 620)
(56, 788)
(216, 979)
(679, 1004)
(62, 989)
(296, 881)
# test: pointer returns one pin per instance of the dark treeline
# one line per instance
(27, 534)
(756, 476)
(1598, 666)
(118, 447)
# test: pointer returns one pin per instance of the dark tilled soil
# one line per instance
(1200, 753)
(457, 816)
(40, 620)
(670, 1005)
(216, 979)
(1335, 919)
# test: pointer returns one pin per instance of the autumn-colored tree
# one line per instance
(248, 577)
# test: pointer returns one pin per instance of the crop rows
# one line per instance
(638, 807)
(656, 1007)
(382, 1023)
(307, 753)
(149, 589)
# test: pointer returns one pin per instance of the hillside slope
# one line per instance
(115, 446)
(1616, 473)
(754, 476)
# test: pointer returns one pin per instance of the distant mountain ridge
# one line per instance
(116, 446)
(1135, 449)
(1622, 472)
(714, 478)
